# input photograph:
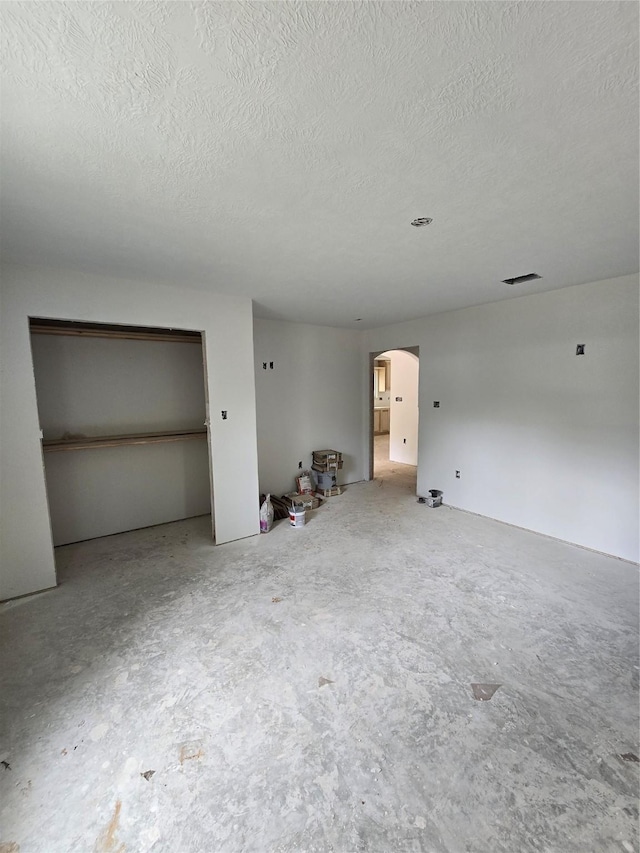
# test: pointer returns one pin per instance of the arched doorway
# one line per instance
(394, 418)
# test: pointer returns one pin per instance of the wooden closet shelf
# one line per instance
(110, 333)
(91, 442)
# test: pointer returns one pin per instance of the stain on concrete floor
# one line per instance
(107, 841)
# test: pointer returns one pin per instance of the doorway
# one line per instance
(394, 417)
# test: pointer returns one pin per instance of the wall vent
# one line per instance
(519, 279)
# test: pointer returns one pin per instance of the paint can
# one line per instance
(296, 516)
(435, 497)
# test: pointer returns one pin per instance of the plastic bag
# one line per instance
(266, 515)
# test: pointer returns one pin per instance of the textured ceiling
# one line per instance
(280, 150)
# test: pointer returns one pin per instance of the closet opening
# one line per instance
(123, 421)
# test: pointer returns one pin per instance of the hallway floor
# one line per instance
(309, 690)
(402, 476)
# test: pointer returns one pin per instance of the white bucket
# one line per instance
(296, 516)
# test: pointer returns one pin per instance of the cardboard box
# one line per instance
(334, 466)
(324, 460)
(327, 454)
(308, 501)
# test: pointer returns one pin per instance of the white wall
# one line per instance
(109, 386)
(543, 438)
(108, 490)
(403, 434)
(26, 556)
(383, 398)
(311, 400)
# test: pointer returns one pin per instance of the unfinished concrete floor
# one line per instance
(403, 477)
(310, 690)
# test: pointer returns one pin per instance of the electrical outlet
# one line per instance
(580, 349)
(457, 475)
(270, 365)
(224, 414)
(264, 365)
(436, 404)
(404, 440)
(300, 464)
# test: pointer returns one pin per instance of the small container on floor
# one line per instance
(296, 516)
(435, 497)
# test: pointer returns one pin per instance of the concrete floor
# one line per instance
(402, 476)
(308, 691)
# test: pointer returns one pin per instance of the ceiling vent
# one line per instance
(520, 279)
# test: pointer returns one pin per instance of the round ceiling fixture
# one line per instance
(422, 221)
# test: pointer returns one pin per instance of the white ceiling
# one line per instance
(280, 150)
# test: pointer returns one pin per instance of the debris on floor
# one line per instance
(276, 600)
(322, 681)
(484, 692)
(315, 484)
(147, 774)
(6, 765)
(629, 756)
(189, 751)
